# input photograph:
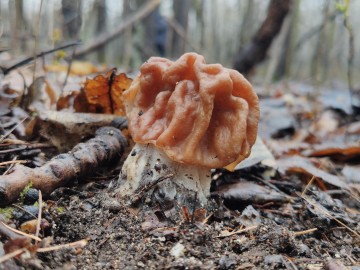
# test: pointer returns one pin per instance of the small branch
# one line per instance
(29, 59)
(329, 215)
(101, 40)
(237, 231)
(11, 255)
(2, 138)
(314, 31)
(83, 159)
(21, 233)
(39, 216)
(13, 162)
(78, 244)
(305, 232)
(26, 147)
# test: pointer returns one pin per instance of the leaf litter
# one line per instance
(256, 219)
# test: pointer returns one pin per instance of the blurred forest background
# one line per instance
(312, 45)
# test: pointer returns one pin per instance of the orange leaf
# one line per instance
(105, 92)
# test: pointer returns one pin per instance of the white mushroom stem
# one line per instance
(146, 164)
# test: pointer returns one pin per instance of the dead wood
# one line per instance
(83, 159)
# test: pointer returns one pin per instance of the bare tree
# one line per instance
(181, 10)
(71, 10)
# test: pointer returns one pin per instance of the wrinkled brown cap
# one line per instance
(197, 113)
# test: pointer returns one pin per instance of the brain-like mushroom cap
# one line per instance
(197, 113)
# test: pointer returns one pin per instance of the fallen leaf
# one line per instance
(298, 164)
(105, 92)
(338, 151)
(78, 68)
(249, 193)
(259, 153)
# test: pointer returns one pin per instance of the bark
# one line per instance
(255, 52)
(84, 159)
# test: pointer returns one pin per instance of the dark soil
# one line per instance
(124, 238)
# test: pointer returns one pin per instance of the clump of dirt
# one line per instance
(120, 237)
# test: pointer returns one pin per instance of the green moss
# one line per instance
(24, 191)
(7, 212)
(60, 210)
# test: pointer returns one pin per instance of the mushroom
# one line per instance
(186, 117)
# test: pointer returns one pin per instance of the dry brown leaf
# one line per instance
(298, 164)
(78, 68)
(105, 92)
(335, 150)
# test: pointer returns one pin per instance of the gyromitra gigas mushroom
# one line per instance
(186, 117)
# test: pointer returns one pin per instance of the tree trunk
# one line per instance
(71, 10)
(255, 52)
(100, 11)
(181, 10)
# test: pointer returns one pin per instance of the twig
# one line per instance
(11, 130)
(21, 233)
(237, 231)
(207, 218)
(12, 254)
(29, 59)
(13, 162)
(23, 209)
(78, 244)
(329, 215)
(83, 159)
(137, 197)
(68, 69)
(26, 147)
(145, 10)
(10, 167)
(194, 208)
(312, 32)
(308, 185)
(39, 215)
(305, 232)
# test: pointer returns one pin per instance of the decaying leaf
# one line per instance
(339, 151)
(248, 193)
(78, 68)
(66, 129)
(105, 92)
(102, 94)
(297, 164)
(259, 153)
(276, 120)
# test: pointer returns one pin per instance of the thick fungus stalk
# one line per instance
(192, 116)
(147, 164)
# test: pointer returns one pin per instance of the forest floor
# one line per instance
(293, 205)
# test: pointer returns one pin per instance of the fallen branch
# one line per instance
(102, 39)
(83, 159)
(29, 59)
